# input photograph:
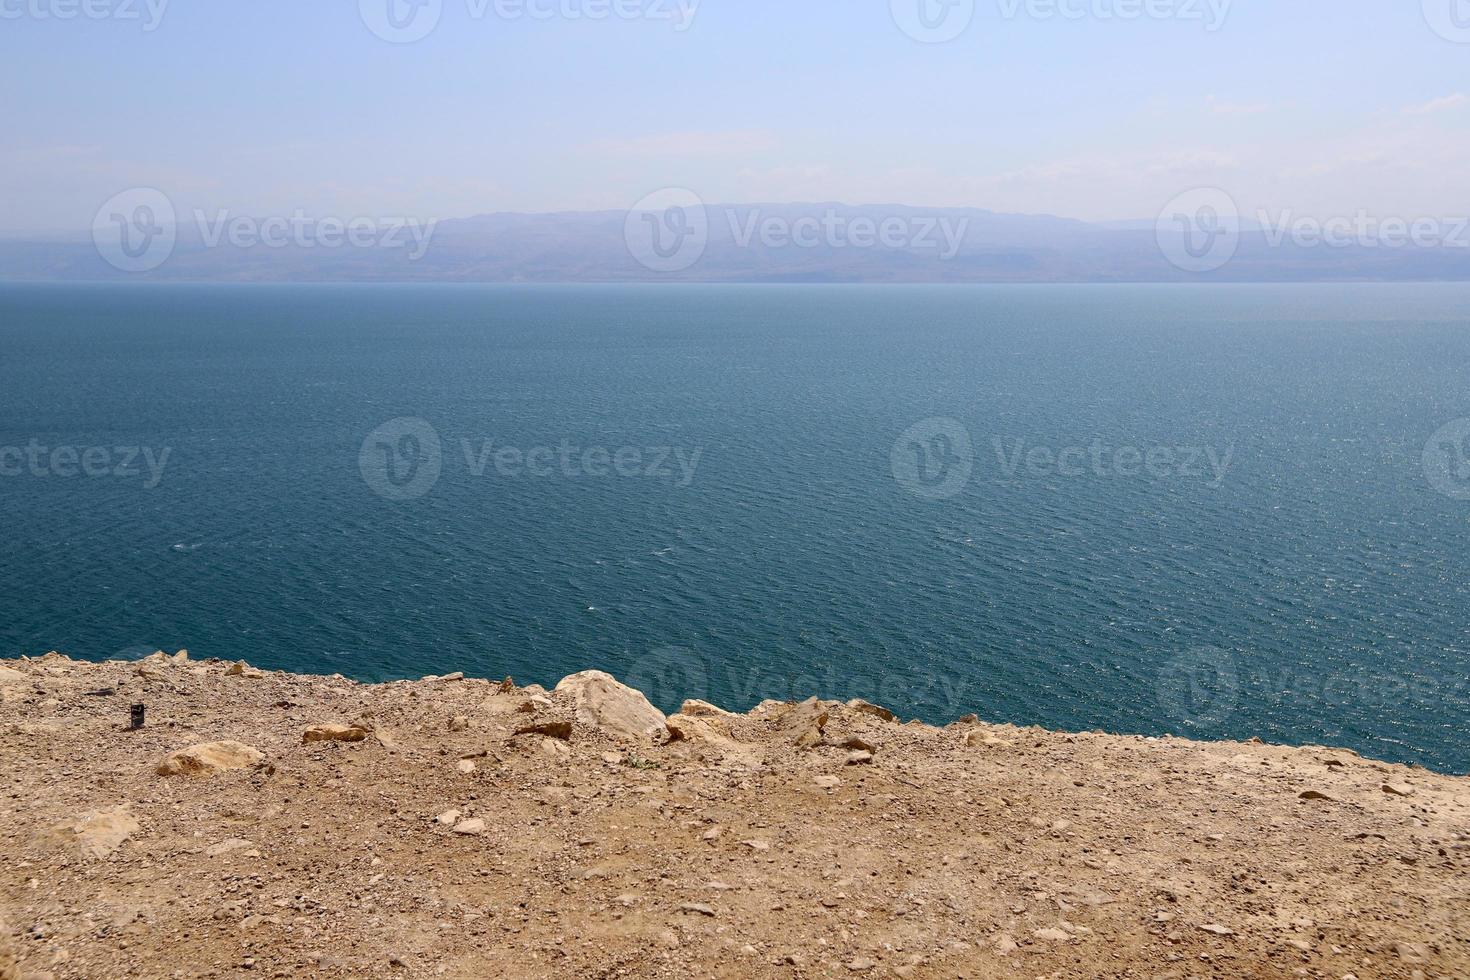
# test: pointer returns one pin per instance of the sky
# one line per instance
(1094, 109)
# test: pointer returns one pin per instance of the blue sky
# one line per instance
(1323, 107)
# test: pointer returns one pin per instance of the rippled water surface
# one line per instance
(1202, 510)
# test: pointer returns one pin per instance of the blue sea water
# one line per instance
(1218, 511)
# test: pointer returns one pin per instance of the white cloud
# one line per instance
(694, 143)
(1437, 105)
(1222, 108)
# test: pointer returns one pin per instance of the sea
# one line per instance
(1214, 511)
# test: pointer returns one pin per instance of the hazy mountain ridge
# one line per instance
(801, 242)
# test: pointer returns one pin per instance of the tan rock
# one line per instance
(810, 738)
(1398, 789)
(602, 702)
(9, 965)
(100, 833)
(859, 758)
(9, 675)
(798, 720)
(550, 729)
(470, 828)
(459, 723)
(241, 669)
(1413, 953)
(696, 708)
(334, 733)
(708, 729)
(876, 710)
(208, 758)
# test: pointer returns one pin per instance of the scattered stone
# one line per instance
(208, 758)
(448, 818)
(697, 908)
(859, 758)
(1398, 789)
(858, 745)
(465, 767)
(827, 782)
(1005, 945)
(1215, 929)
(860, 963)
(241, 669)
(1052, 935)
(1313, 794)
(987, 739)
(470, 828)
(459, 723)
(334, 733)
(757, 845)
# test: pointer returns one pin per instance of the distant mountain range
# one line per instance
(820, 242)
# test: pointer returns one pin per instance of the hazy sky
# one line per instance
(270, 106)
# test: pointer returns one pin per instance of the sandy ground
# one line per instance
(423, 837)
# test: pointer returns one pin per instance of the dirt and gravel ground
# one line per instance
(406, 829)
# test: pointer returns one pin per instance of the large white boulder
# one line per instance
(600, 701)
